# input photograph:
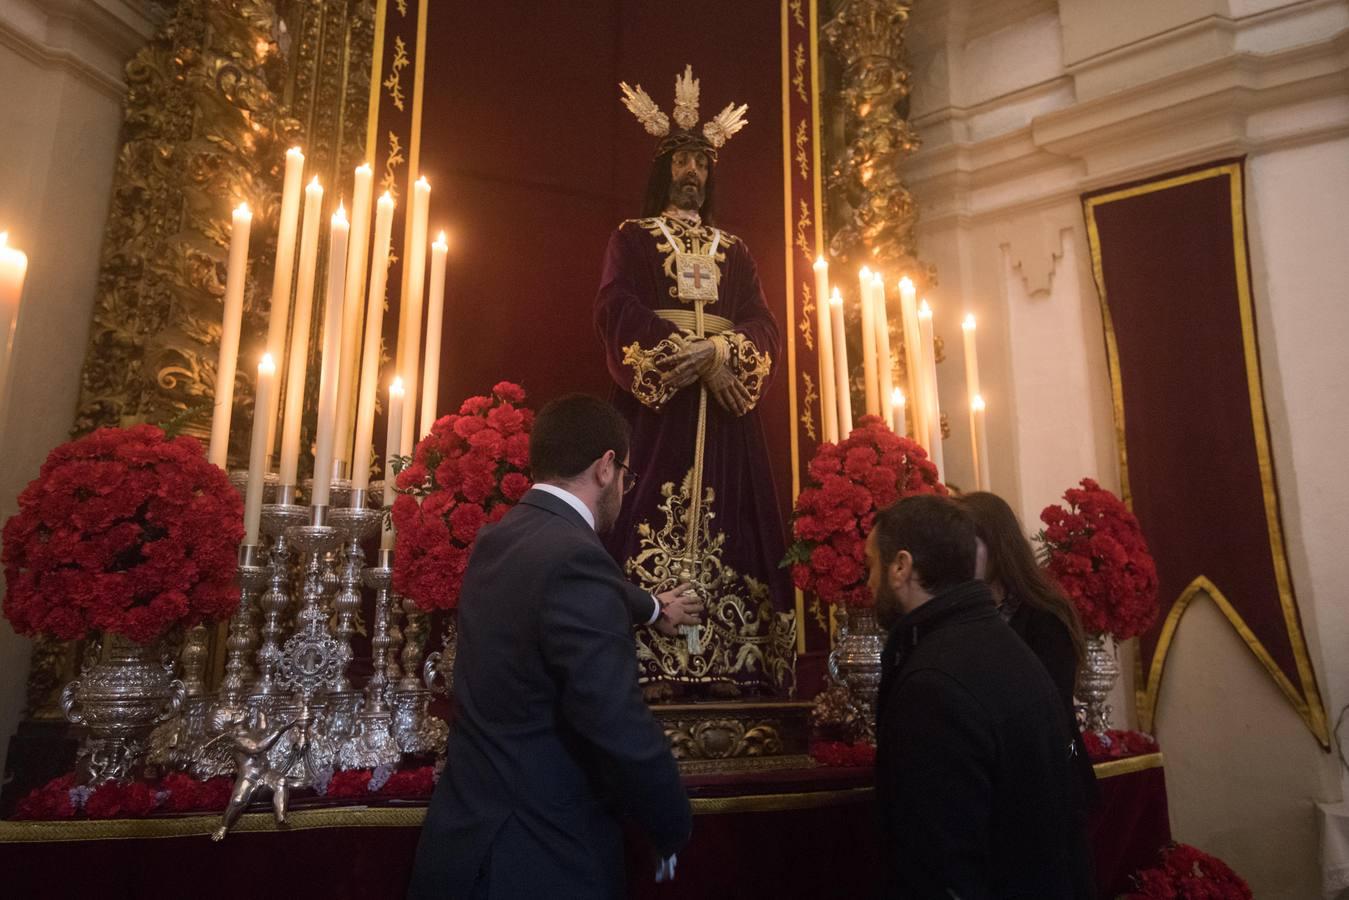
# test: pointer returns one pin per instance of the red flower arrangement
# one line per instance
(123, 530)
(1096, 551)
(1186, 873)
(853, 480)
(466, 473)
(1116, 744)
(178, 792)
(840, 753)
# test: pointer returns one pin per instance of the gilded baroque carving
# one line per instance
(871, 209)
(802, 152)
(742, 634)
(394, 83)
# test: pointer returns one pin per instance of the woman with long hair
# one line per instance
(1032, 604)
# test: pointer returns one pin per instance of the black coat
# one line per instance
(972, 768)
(552, 742)
(1049, 640)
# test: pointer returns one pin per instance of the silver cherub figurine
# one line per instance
(250, 746)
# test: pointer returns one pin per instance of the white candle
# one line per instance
(410, 329)
(392, 449)
(435, 312)
(913, 356)
(374, 323)
(257, 452)
(330, 373)
(840, 365)
(299, 338)
(870, 381)
(287, 224)
(13, 270)
(235, 273)
(932, 407)
(883, 361)
(825, 345)
(353, 304)
(897, 402)
(971, 357)
(979, 442)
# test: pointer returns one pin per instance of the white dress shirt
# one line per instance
(584, 512)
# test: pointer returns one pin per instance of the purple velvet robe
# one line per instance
(748, 638)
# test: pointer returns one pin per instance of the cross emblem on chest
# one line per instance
(697, 273)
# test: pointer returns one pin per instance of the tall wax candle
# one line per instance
(883, 361)
(971, 356)
(841, 387)
(374, 322)
(236, 272)
(329, 374)
(414, 289)
(13, 271)
(299, 337)
(870, 379)
(353, 305)
(979, 440)
(435, 312)
(257, 452)
(825, 345)
(931, 404)
(897, 404)
(288, 223)
(913, 358)
(392, 449)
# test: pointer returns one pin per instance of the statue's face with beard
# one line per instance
(688, 179)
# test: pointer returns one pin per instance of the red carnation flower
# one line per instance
(123, 530)
(467, 473)
(854, 479)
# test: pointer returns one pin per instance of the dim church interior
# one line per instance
(1022, 106)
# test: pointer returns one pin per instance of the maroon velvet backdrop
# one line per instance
(1172, 265)
(533, 161)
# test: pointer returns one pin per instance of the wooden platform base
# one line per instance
(716, 737)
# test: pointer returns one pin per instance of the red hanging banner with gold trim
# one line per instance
(1171, 265)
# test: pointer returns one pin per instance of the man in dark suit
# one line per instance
(552, 742)
(973, 745)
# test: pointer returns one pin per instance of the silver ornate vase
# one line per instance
(120, 699)
(1100, 671)
(855, 661)
(441, 663)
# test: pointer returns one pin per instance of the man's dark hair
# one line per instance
(939, 535)
(658, 189)
(571, 432)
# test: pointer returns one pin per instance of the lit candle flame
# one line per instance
(441, 242)
(267, 366)
(906, 283)
(835, 299)
(896, 397)
(924, 311)
(243, 210)
(866, 273)
(820, 263)
(364, 168)
(396, 389)
(977, 403)
(341, 214)
(968, 324)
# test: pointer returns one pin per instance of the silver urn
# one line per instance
(120, 699)
(1100, 671)
(855, 661)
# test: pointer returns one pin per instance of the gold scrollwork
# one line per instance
(803, 223)
(799, 79)
(742, 638)
(392, 161)
(802, 156)
(645, 364)
(750, 365)
(806, 325)
(807, 411)
(797, 15)
(394, 83)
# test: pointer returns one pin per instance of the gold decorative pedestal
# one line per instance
(743, 736)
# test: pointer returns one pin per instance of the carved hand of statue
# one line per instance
(686, 366)
(680, 605)
(728, 391)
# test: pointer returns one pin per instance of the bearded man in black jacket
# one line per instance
(974, 749)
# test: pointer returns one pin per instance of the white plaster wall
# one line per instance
(60, 64)
(1010, 144)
